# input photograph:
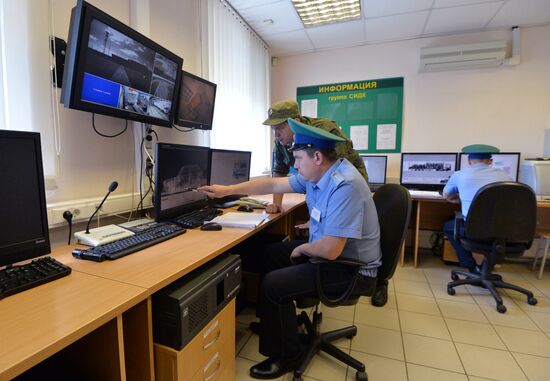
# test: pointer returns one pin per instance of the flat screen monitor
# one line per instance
(506, 161)
(180, 170)
(23, 223)
(112, 69)
(229, 167)
(427, 171)
(376, 168)
(196, 102)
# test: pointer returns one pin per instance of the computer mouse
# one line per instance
(211, 226)
(245, 208)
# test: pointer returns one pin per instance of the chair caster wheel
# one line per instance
(531, 300)
(454, 276)
(297, 377)
(451, 291)
(361, 376)
(501, 308)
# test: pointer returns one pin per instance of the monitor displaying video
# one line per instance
(376, 168)
(427, 171)
(196, 102)
(506, 161)
(229, 167)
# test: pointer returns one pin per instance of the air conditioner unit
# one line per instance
(467, 56)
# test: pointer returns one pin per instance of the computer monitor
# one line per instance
(506, 161)
(427, 171)
(114, 70)
(229, 167)
(376, 168)
(180, 170)
(23, 222)
(196, 102)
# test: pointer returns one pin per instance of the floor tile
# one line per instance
(470, 332)
(474, 378)
(250, 350)
(462, 311)
(462, 295)
(328, 324)
(420, 304)
(242, 334)
(425, 325)
(536, 368)
(412, 287)
(424, 373)
(480, 362)
(376, 317)
(543, 304)
(409, 273)
(540, 319)
(431, 352)
(378, 341)
(323, 367)
(513, 317)
(379, 368)
(344, 313)
(523, 341)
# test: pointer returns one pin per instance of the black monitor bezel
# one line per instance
(428, 187)
(213, 150)
(41, 245)
(518, 154)
(190, 123)
(73, 75)
(385, 167)
(163, 215)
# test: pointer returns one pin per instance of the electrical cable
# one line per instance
(108, 136)
(180, 130)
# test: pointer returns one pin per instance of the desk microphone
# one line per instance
(112, 187)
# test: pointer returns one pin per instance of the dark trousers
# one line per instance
(465, 257)
(286, 282)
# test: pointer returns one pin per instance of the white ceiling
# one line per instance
(386, 20)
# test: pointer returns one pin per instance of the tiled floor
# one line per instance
(423, 334)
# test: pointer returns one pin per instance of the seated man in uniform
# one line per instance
(462, 187)
(344, 223)
(283, 160)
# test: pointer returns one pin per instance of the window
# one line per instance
(237, 60)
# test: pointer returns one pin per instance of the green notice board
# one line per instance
(369, 112)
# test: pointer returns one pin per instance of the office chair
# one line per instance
(393, 205)
(501, 222)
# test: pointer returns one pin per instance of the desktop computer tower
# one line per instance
(183, 308)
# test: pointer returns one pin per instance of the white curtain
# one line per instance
(236, 59)
(26, 84)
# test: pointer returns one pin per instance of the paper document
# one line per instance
(309, 108)
(359, 135)
(240, 220)
(386, 136)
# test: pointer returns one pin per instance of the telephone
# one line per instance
(255, 203)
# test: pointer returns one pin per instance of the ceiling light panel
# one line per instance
(319, 12)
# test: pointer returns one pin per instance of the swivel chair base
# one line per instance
(322, 342)
(489, 281)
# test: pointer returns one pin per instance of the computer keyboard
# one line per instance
(114, 250)
(22, 277)
(196, 218)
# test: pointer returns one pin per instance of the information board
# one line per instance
(370, 112)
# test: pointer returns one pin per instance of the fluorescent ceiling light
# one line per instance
(317, 12)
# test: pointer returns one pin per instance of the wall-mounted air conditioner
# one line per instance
(467, 56)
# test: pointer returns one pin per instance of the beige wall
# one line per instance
(88, 163)
(506, 106)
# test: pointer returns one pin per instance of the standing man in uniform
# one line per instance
(344, 223)
(283, 161)
(463, 186)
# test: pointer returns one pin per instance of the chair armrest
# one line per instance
(459, 223)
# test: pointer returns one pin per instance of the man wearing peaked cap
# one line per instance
(462, 187)
(283, 160)
(343, 223)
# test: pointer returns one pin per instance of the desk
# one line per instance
(99, 318)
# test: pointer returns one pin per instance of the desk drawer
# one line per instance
(220, 367)
(216, 337)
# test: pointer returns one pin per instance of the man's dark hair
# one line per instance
(330, 155)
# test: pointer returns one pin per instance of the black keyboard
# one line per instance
(120, 248)
(197, 217)
(22, 277)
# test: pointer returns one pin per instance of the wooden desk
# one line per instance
(97, 321)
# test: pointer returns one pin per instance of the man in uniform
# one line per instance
(283, 161)
(463, 186)
(344, 223)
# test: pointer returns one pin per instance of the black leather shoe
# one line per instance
(380, 296)
(274, 367)
(254, 327)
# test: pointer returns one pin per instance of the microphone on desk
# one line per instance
(112, 188)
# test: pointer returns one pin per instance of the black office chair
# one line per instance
(501, 222)
(393, 204)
